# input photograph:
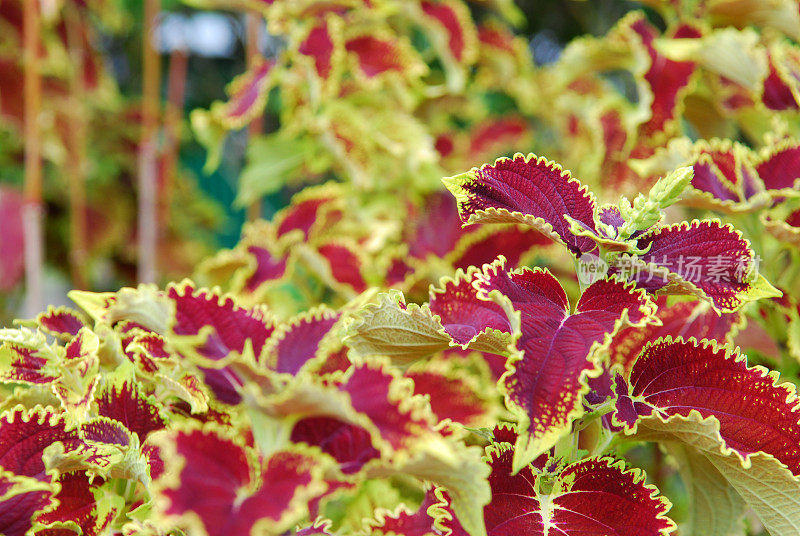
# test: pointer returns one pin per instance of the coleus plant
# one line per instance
(494, 408)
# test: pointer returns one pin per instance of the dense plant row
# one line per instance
(527, 351)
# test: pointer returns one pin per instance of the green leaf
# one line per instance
(765, 484)
(272, 160)
(715, 508)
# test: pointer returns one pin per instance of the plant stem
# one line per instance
(148, 165)
(76, 144)
(33, 210)
(256, 126)
(176, 92)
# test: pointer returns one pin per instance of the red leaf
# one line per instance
(526, 190)
(593, 496)
(345, 265)
(77, 504)
(146, 349)
(127, 404)
(268, 267)
(248, 95)
(447, 15)
(450, 397)
(683, 319)
(715, 173)
(777, 94)
(496, 36)
(704, 258)
(779, 169)
(310, 210)
(232, 329)
(232, 325)
(679, 377)
(420, 522)
(546, 380)
(666, 77)
(20, 502)
(24, 434)
(434, 227)
(319, 45)
(80, 346)
(485, 245)
(376, 56)
(463, 314)
(60, 322)
(373, 392)
(349, 444)
(498, 135)
(299, 340)
(26, 366)
(217, 485)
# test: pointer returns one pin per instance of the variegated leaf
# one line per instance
(528, 190)
(555, 351)
(739, 418)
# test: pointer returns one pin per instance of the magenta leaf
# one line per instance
(77, 504)
(434, 227)
(667, 78)
(349, 444)
(545, 381)
(374, 392)
(513, 242)
(678, 377)
(319, 528)
(454, 21)
(300, 340)
(527, 190)
(715, 172)
(230, 329)
(779, 168)
(24, 434)
(26, 365)
(212, 486)
(61, 322)
(704, 258)
(20, 499)
(268, 267)
(426, 520)
(128, 405)
(344, 264)
(230, 325)
(320, 47)
(247, 95)
(592, 496)
(464, 316)
(683, 319)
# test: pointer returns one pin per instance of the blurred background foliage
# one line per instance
(202, 216)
